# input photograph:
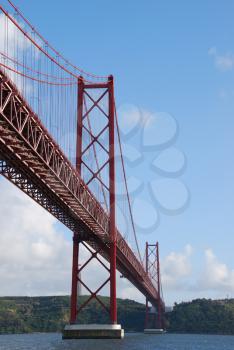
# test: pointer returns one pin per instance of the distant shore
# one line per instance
(50, 314)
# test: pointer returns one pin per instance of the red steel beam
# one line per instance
(73, 308)
(31, 159)
(112, 232)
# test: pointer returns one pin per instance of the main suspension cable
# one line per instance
(35, 71)
(80, 70)
(35, 43)
(35, 79)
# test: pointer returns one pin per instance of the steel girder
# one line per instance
(32, 160)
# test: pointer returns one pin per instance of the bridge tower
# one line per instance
(154, 313)
(95, 100)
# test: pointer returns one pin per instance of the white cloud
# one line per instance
(131, 118)
(127, 291)
(216, 275)
(35, 258)
(9, 36)
(176, 267)
(14, 44)
(223, 62)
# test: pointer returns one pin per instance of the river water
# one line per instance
(132, 341)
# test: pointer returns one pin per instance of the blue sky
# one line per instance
(173, 57)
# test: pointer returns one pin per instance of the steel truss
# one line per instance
(31, 159)
(154, 316)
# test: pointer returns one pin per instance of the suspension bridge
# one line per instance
(60, 144)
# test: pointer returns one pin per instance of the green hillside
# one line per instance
(50, 314)
(203, 316)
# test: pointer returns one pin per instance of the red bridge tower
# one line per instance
(88, 106)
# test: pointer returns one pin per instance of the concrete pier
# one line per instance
(154, 331)
(93, 331)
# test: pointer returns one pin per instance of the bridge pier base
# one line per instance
(93, 331)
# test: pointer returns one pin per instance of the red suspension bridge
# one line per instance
(59, 137)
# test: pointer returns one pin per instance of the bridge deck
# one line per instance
(31, 159)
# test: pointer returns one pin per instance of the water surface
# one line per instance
(132, 341)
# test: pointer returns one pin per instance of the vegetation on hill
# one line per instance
(203, 316)
(50, 314)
